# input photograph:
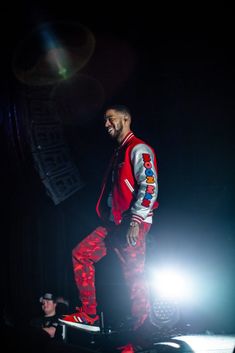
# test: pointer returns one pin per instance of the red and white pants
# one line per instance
(132, 259)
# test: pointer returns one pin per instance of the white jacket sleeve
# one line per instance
(142, 159)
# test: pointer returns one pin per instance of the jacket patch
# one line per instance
(149, 180)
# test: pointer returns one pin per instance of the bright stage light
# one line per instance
(171, 284)
(168, 288)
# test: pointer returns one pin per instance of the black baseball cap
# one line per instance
(47, 296)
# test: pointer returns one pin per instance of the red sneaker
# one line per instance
(82, 320)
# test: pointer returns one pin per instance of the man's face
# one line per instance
(48, 306)
(114, 123)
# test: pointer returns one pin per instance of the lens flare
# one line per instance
(52, 52)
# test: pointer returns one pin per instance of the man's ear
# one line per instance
(126, 117)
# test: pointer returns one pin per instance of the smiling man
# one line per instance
(125, 207)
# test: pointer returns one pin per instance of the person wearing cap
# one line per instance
(125, 208)
(49, 320)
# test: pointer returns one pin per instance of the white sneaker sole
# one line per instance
(81, 326)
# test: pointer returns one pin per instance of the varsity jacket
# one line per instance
(131, 180)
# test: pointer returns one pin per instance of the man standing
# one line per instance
(125, 207)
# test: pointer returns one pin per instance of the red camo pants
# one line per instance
(132, 259)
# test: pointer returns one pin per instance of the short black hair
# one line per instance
(119, 108)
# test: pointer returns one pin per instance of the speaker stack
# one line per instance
(51, 155)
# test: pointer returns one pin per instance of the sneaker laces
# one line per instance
(79, 310)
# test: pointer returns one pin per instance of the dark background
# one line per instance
(175, 69)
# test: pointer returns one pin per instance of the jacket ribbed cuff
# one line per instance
(136, 218)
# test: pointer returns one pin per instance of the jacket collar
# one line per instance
(126, 139)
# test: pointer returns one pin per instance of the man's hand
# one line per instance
(50, 330)
(132, 234)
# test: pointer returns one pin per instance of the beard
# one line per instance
(116, 131)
